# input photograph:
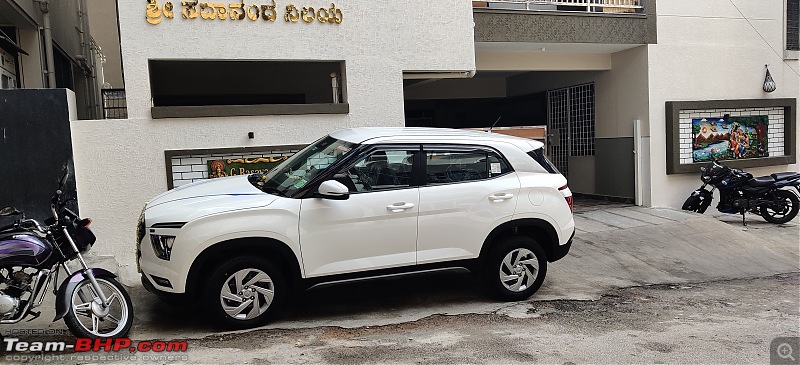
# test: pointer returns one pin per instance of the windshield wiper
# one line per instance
(271, 190)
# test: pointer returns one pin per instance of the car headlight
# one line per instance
(162, 245)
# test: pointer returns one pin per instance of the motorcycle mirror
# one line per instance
(7, 211)
(64, 175)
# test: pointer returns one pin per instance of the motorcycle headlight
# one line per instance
(706, 178)
(162, 245)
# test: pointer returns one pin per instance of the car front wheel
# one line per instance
(244, 292)
(516, 268)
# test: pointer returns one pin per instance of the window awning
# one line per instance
(7, 42)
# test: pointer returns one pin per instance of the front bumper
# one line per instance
(148, 285)
(167, 276)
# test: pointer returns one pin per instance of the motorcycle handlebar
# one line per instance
(38, 226)
(26, 224)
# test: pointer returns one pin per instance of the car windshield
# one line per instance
(294, 173)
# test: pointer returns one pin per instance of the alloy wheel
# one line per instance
(94, 318)
(519, 269)
(247, 294)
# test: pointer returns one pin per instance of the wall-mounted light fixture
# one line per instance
(769, 83)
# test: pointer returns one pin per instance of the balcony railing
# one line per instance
(594, 6)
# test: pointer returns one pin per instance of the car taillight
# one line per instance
(567, 198)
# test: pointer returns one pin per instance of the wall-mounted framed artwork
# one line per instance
(743, 133)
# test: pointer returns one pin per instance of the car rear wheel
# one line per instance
(515, 268)
(245, 292)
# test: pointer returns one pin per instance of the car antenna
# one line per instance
(495, 123)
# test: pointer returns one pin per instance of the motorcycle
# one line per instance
(91, 301)
(741, 193)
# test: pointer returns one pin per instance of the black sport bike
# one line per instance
(768, 196)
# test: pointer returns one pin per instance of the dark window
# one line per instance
(792, 25)
(225, 82)
(541, 159)
(63, 69)
(381, 170)
(445, 167)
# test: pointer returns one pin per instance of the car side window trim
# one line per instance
(459, 148)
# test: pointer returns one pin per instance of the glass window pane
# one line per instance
(448, 167)
(380, 170)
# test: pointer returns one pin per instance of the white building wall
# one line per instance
(120, 164)
(707, 50)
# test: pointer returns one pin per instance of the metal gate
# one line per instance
(570, 124)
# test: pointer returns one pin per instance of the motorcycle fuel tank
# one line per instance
(22, 249)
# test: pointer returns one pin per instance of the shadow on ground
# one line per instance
(330, 304)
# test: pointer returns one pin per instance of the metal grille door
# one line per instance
(570, 124)
(558, 128)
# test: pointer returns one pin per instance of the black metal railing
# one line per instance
(115, 106)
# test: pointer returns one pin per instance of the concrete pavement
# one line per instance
(615, 247)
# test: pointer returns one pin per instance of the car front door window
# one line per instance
(380, 170)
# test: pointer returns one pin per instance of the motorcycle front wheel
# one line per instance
(783, 209)
(87, 317)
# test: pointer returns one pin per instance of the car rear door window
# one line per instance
(453, 166)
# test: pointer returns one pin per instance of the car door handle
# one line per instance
(399, 207)
(500, 197)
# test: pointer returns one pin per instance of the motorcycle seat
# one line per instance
(785, 175)
(761, 181)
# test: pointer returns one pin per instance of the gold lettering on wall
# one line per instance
(194, 9)
(257, 160)
(336, 15)
(292, 15)
(322, 15)
(271, 10)
(305, 12)
(153, 12)
(237, 11)
(189, 9)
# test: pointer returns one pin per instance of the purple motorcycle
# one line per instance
(91, 301)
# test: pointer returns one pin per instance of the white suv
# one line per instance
(359, 203)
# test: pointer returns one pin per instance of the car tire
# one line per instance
(515, 268)
(244, 292)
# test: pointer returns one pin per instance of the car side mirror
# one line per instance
(332, 189)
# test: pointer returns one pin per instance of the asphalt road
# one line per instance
(717, 322)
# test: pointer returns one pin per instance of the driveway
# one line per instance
(617, 247)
